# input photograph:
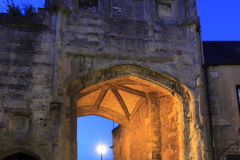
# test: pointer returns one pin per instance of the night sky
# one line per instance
(220, 20)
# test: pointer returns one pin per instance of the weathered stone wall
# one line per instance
(121, 143)
(169, 128)
(26, 51)
(47, 60)
(225, 110)
(153, 132)
(140, 133)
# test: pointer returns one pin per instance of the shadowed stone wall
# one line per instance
(47, 60)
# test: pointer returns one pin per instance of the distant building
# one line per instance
(222, 59)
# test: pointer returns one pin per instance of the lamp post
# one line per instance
(101, 149)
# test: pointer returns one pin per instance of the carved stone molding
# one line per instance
(187, 96)
(174, 84)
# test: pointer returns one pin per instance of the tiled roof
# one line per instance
(222, 52)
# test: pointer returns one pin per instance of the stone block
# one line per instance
(42, 58)
(83, 42)
(93, 36)
(113, 41)
(140, 55)
(139, 44)
(46, 37)
(19, 70)
(40, 69)
(38, 95)
(125, 54)
(139, 10)
(215, 111)
(6, 34)
(110, 53)
(212, 85)
(21, 123)
(42, 79)
(4, 55)
(130, 44)
(93, 43)
(8, 46)
(159, 57)
(214, 104)
(91, 51)
(185, 59)
(76, 50)
(99, 30)
(127, 9)
(213, 75)
(213, 98)
(20, 35)
(151, 46)
(164, 12)
(39, 106)
(9, 80)
(12, 56)
(14, 104)
(4, 68)
(47, 47)
(37, 87)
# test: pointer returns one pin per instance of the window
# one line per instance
(233, 157)
(238, 96)
(88, 5)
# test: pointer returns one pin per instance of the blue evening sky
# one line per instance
(220, 21)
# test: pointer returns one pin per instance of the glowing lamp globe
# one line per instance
(101, 149)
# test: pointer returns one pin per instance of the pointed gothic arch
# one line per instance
(89, 94)
(19, 154)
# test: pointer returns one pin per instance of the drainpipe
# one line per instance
(209, 109)
(205, 66)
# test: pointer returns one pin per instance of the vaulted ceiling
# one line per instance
(120, 98)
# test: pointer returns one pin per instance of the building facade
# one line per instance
(222, 60)
(138, 63)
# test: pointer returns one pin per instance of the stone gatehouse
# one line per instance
(137, 62)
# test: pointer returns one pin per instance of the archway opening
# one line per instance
(148, 114)
(19, 156)
(93, 131)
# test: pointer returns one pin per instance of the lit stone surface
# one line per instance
(89, 99)
(130, 100)
(111, 102)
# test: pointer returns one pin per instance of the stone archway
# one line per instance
(19, 154)
(129, 94)
(148, 115)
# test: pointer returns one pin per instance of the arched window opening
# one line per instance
(19, 156)
(93, 131)
(88, 5)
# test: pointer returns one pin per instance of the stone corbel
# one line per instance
(174, 85)
(55, 107)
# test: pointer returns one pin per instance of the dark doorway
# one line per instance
(86, 4)
(19, 156)
(233, 157)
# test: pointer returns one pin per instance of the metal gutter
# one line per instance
(205, 66)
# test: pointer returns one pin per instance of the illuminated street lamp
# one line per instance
(101, 149)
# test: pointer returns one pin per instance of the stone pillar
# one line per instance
(154, 108)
